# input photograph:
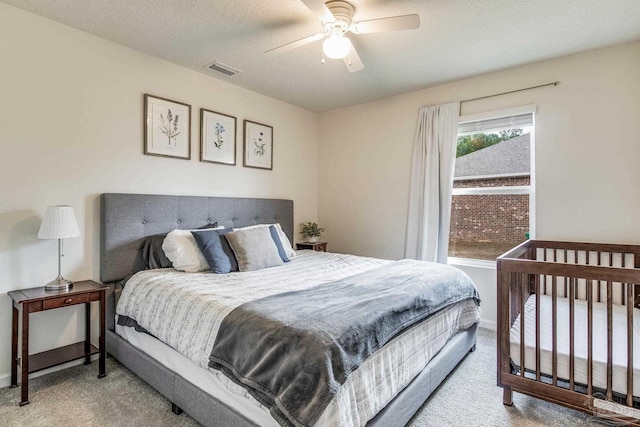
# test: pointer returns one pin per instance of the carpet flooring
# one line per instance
(76, 397)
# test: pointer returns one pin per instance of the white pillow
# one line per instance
(183, 252)
(254, 248)
(286, 244)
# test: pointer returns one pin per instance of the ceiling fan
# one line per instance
(337, 20)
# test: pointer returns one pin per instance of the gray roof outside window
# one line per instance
(510, 157)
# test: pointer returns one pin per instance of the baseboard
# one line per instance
(488, 324)
(5, 379)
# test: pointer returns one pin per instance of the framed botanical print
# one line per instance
(217, 137)
(258, 145)
(167, 127)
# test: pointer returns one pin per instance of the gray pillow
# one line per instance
(152, 252)
(254, 248)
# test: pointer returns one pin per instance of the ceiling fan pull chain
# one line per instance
(322, 61)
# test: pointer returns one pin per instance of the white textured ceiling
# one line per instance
(456, 39)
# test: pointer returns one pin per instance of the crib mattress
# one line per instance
(619, 351)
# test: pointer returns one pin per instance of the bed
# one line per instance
(180, 373)
(569, 326)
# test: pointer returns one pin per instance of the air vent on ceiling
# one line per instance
(223, 68)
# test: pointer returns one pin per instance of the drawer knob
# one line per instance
(68, 301)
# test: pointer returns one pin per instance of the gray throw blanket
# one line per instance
(292, 351)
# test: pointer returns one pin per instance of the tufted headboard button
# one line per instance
(144, 221)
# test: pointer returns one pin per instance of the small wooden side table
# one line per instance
(34, 300)
(314, 246)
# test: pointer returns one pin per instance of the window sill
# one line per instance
(468, 262)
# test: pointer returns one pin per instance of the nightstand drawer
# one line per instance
(66, 300)
(314, 246)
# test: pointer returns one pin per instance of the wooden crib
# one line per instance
(569, 326)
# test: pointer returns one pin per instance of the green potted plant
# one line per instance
(311, 231)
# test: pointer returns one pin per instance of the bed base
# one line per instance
(126, 219)
(605, 273)
(207, 410)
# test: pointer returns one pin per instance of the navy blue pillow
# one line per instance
(216, 250)
(278, 242)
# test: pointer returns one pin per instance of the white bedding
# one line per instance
(189, 307)
(599, 342)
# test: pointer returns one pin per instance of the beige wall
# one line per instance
(71, 128)
(587, 150)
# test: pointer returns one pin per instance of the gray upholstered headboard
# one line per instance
(126, 219)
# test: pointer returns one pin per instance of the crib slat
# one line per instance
(622, 286)
(537, 329)
(522, 284)
(629, 287)
(590, 337)
(571, 335)
(609, 341)
(544, 277)
(566, 279)
(554, 328)
(610, 265)
(555, 259)
(599, 283)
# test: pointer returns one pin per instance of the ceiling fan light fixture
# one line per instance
(336, 46)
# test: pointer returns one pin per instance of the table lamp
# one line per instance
(59, 222)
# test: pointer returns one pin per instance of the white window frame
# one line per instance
(520, 189)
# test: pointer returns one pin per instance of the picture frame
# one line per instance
(167, 127)
(217, 137)
(258, 145)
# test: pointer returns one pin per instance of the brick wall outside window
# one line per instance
(494, 218)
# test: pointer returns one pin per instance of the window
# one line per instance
(491, 210)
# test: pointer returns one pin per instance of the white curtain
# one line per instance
(431, 183)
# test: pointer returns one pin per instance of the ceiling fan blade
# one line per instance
(392, 23)
(320, 10)
(352, 60)
(296, 44)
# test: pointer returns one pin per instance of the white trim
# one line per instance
(471, 262)
(5, 380)
(532, 180)
(491, 325)
(494, 176)
(524, 109)
(487, 191)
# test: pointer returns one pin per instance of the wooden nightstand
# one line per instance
(314, 246)
(34, 300)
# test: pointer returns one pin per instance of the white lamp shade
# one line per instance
(336, 46)
(59, 222)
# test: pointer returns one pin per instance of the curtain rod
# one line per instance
(511, 91)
